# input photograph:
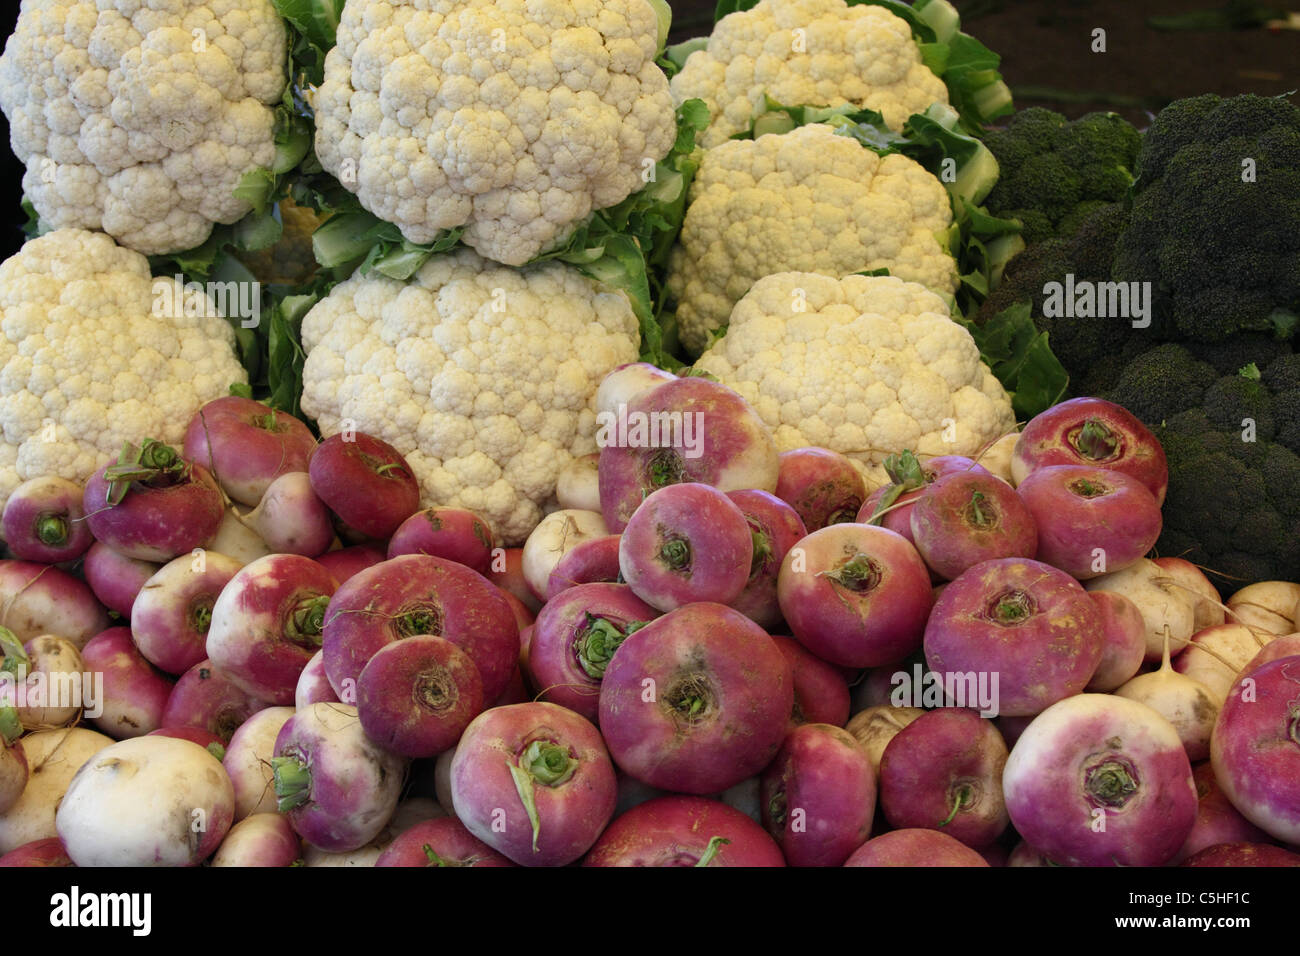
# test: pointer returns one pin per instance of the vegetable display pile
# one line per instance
(477, 433)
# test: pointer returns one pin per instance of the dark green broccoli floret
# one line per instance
(1162, 382)
(1247, 348)
(1048, 166)
(1215, 221)
(1232, 505)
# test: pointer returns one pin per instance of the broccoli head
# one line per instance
(1215, 219)
(1049, 165)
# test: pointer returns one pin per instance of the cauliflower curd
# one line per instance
(483, 376)
(513, 118)
(139, 118)
(865, 366)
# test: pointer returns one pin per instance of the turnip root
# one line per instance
(291, 519)
(1206, 602)
(263, 839)
(114, 578)
(246, 445)
(915, 847)
(1218, 654)
(417, 696)
(591, 561)
(1123, 641)
(268, 622)
(1267, 604)
(875, 727)
(173, 611)
(1183, 701)
(1256, 748)
(578, 485)
(821, 695)
(419, 594)
(626, 383)
(534, 782)
(822, 486)
(697, 700)
(335, 785)
(206, 697)
(148, 801)
(1164, 604)
(574, 638)
(890, 506)
(51, 691)
(345, 562)
(1098, 780)
(248, 761)
(1244, 854)
(237, 541)
(819, 796)
(996, 457)
(775, 528)
(195, 735)
(43, 853)
(313, 686)
(440, 842)
(967, 517)
(152, 504)
(13, 773)
(678, 830)
(555, 535)
(687, 542)
(53, 758)
(943, 771)
(365, 481)
(44, 521)
(1288, 645)
(507, 572)
(38, 599)
(1217, 820)
(452, 533)
(721, 441)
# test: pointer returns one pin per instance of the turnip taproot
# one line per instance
(452, 533)
(822, 486)
(697, 700)
(44, 521)
(574, 638)
(336, 786)
(1256, 747)
(365, 481)
(1032, 626)
(247, 761)
(268, 622)
(678, 830)
(819, 796)
(246, 445)
(262, 839)
(855, 595)
(148, 801)
(534, 782)
(943, 771)
(1098, 780)
(419, 594)
(687, 542)
(173, 611)
(1183, 701)
(915, 847)
(152, 504)
(417, 696)
(775, 528)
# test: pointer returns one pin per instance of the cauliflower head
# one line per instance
(866, 366)
(513, 118)
(807, 52)
(803, 201)
(140, 119)
(94, 351)
(483, 376)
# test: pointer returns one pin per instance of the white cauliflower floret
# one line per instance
(864, 365)
(484, 377)
(809, 201)
(807, 53)
(95, 352)
(140, 118)
(513, 118)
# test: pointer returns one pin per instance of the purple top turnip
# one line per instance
(775, 528)
(440, 842)
(679, 830)
(246, 445)
(962, 519)
(916, 847)
(452, 533)
(44, 521)
(365, 481)
(822, 486)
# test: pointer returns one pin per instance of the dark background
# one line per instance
(1046, 59)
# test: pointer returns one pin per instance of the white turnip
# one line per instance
(53, 758)
(556, 535)
(1183, 701)
(173, 611)
(247, 761)
(291, 519)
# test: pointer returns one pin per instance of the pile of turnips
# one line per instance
(710, 652)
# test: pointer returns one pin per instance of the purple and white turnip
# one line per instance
(44, 521)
